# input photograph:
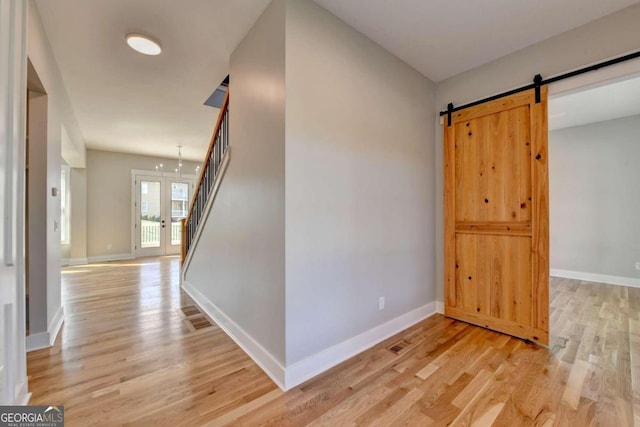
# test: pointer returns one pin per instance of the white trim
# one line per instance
(22, 394)
(111, 257)
(299, 372)
(55, 325)
(13, 86)
(65, 171)
(311, 366)
(164, 177)
(38, 341)
(46, 339)
(172, 175)
(9, 362)
(205, 213)
(134, 196)
(77, 261)
(269, 364)
(598, 278)
(440, 307)
(64, 262)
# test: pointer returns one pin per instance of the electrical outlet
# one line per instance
(381, 303)
(638, 265)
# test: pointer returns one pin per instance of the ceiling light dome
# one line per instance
(143, 44)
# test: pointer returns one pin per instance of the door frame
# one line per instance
(133, 189)
(152, 251)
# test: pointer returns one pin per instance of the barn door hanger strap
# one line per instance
(449, 113)
(537, 83)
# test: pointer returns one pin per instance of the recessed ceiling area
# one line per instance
(442, 38)
(597, 104)
(128, 102)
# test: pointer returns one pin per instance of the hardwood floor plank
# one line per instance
(128, 352)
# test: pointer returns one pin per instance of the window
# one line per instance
(65, 206)
(144, 207)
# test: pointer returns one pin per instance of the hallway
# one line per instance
(127, 351)
(134, 350)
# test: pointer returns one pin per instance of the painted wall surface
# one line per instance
(239, 261)
(593, 175)
(38, 222)
(67, 135)
(61, 125)
(78, 247)
(65, 247)
(602, 39)
(359, 183)
(108, 200)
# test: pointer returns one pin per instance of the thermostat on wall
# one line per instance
(54, 191)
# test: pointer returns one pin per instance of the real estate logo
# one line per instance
(31, 416)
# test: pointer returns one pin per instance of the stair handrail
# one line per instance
(208, 172)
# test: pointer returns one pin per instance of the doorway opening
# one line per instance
(159, 204)
(594, 147)
(36, 317)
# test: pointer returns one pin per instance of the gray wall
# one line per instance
(78, 250)
(37, 218)
(108, 199)
(239, 261)
(359, 183)
(594, 174)
(607, 37)
(63, 138)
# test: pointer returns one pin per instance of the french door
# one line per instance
(160, 203)
(497, 216)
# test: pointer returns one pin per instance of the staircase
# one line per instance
(209, 177)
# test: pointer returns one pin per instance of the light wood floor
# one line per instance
(129, 355)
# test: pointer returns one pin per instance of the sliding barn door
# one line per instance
(497, 216)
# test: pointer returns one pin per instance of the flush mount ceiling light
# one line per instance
(143, 44)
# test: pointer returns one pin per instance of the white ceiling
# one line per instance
(128, 102)
(442, 38)
(596, 104)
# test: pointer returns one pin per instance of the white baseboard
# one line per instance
(22, 394)
(440, 307)
(55, 325)
(64, 262)
(299, 372)
(111, 257)
(78, 261)
(269, 364)
(37, 341)
(599, 278)
(311, 366)
(46, 339)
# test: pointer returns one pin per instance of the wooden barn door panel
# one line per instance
(496, 216)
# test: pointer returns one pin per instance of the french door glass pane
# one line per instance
(150, 214)
(179, 206)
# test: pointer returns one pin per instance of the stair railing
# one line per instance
(208, 175)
